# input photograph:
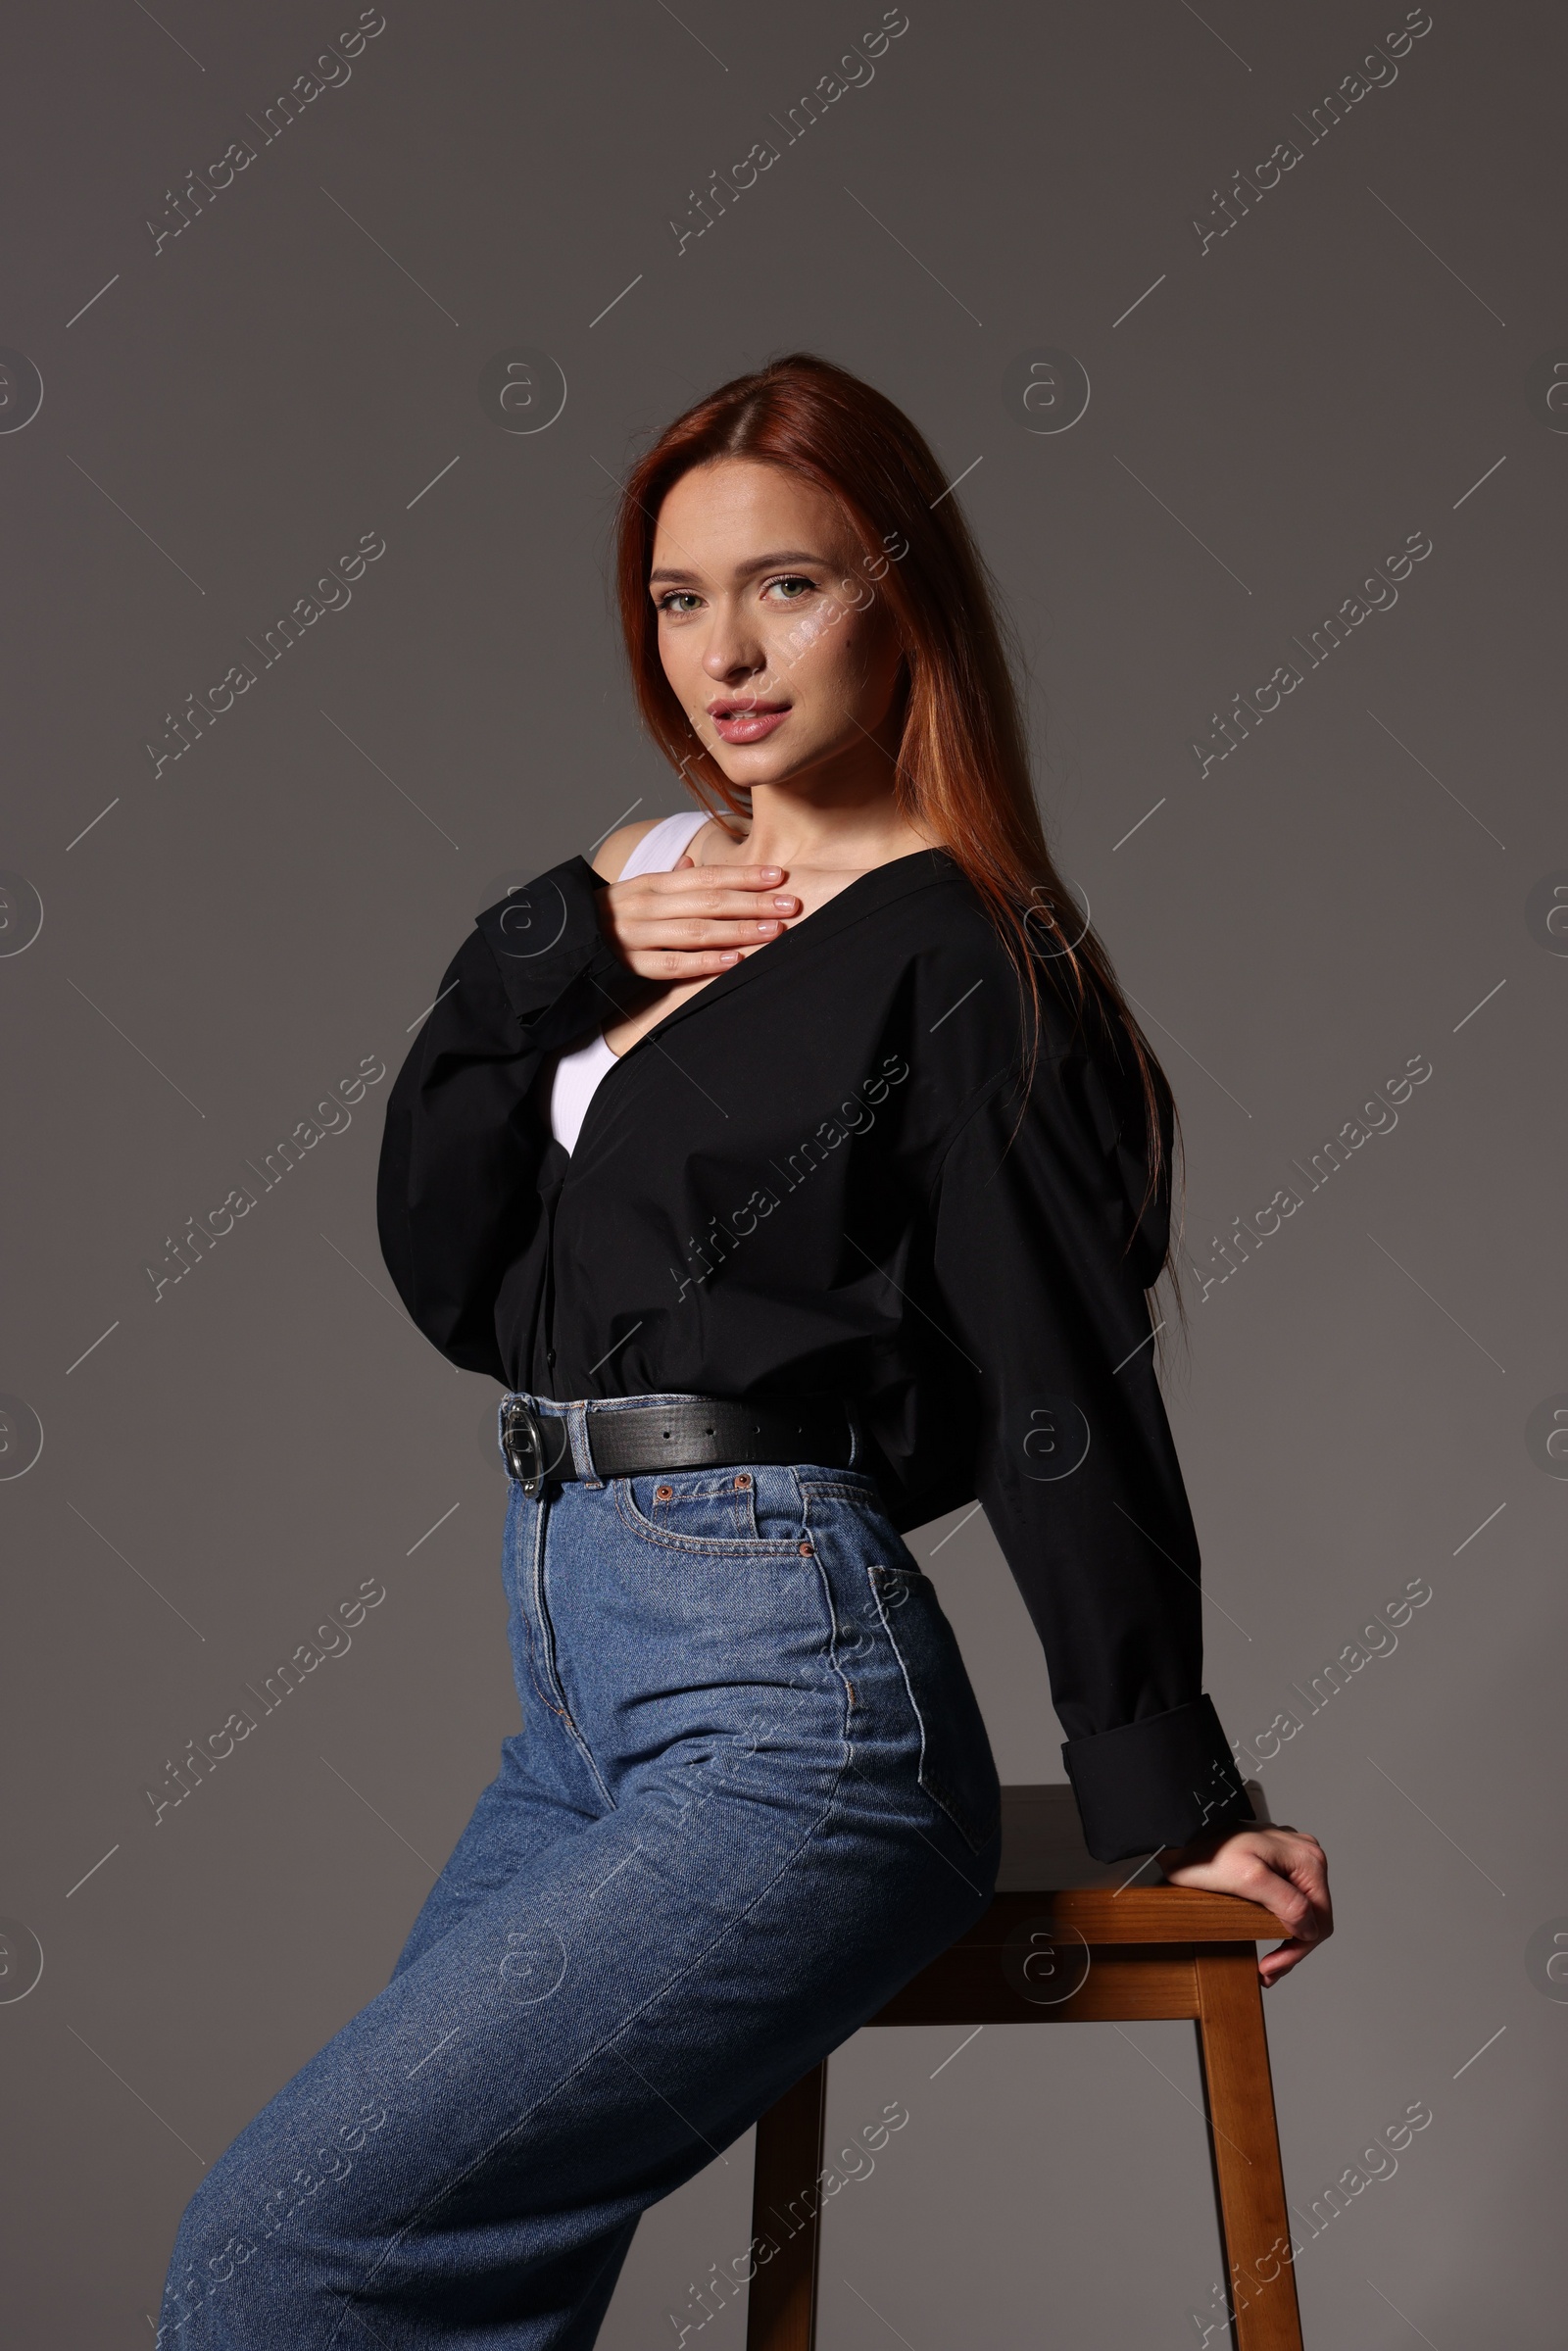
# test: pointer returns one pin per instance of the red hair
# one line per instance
(962, 773)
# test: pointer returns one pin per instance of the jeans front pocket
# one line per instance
(737, 1512)
(957, 1771)
(712, 1503)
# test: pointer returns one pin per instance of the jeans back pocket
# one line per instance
(957, 1770)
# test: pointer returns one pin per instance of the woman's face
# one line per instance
(780, 652)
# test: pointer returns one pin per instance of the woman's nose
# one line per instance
(731, 651)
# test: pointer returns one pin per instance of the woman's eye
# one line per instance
(678, 600)
(793, 588)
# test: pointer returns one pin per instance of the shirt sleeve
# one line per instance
(457, 1184)
(1076, 1467)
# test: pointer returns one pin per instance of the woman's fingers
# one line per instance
(1297, 1895)
(1310, 1871)
(690, 931)
(692, 891)
(671, 963)
(740, 877)
(677, 950)
(1283, 1872)
(679, 924)
(1280, 1961)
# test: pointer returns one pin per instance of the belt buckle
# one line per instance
(522, 1446)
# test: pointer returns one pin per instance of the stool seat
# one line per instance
(1068, 1939)
(1043, 1845)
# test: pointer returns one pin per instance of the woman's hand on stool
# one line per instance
(1276, 1866)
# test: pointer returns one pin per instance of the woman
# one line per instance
(799, 1170)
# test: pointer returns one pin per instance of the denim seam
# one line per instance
(563, 1712)
(831, 1659)
(525, 1614)
(932, 1780)
(589, 2055)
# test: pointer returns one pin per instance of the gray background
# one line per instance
(221, 1466)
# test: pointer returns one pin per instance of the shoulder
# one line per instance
(951, 928)
(990, 1003)
(616, 848)
(940, 941)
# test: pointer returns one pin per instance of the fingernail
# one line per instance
(772, 873)
(730, 958)
(785, 903)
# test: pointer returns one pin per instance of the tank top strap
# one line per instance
(664, 844)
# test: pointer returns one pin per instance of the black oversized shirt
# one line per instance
(805, 1178)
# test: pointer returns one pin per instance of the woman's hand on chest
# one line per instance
(682, 928)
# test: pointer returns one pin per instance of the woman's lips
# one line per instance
(748, 725)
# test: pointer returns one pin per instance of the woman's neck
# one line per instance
(788, 830)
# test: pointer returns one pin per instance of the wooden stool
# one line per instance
(1060, 1944)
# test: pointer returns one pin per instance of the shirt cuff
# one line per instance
(1160, 1781)
(559, 970)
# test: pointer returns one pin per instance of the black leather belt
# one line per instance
(631, 1440)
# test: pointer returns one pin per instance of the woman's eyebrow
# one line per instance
(761, 562)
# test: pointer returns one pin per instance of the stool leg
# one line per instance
(1255, 2224)
(786, 2195)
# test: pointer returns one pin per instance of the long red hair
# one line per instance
(963, 772)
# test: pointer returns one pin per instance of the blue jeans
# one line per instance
(752, 1797)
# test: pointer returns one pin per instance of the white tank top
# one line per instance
(577, 1075)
